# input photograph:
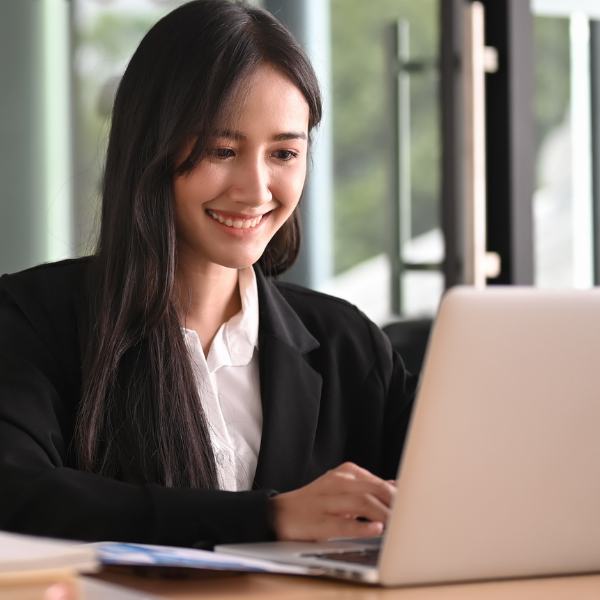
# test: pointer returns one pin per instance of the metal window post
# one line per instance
(451, 101)
(595, 133)
(510, 148)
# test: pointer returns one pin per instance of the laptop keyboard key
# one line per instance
(368, 556)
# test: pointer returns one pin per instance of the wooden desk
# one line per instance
(287, 587)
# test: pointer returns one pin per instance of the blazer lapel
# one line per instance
(290, 392)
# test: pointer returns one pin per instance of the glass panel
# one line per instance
(105, 36)
(364, 147)
(563, 204)
(552, 199)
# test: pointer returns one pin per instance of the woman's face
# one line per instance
(230, 206)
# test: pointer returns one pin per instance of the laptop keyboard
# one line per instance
(368, 556)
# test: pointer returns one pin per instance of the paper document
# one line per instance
(112, 553)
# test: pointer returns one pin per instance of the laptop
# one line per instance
(500, 475)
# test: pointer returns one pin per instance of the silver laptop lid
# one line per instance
(501, 473)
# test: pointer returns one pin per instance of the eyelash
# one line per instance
(225, 153)
(221, 153)
(289, 155)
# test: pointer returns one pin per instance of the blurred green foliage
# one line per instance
(363, 127)
(116, 35)
(552, 75)
(106, 44)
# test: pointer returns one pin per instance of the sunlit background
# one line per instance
(83, 62)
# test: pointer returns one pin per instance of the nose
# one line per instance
(252, 182)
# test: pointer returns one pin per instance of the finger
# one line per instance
(352, 471)
(337, 485)
(356, 505)
(335, 527)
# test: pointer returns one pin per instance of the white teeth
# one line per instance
(238, 223)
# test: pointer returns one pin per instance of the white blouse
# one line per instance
(229, 388)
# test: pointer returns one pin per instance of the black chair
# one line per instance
(409, 338)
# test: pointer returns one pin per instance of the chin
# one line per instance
(240, 262)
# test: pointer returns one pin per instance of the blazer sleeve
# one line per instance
(41, 491)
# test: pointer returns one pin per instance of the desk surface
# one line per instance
(290, 587)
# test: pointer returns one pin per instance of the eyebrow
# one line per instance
(278, 137)
(289, 135)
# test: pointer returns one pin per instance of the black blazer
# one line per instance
(332, 391)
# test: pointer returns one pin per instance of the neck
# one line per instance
(209, 296)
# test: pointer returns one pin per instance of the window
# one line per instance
(564, 111)
(365, 72)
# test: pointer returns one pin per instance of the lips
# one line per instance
(236, 222)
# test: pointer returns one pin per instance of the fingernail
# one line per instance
(376, 527)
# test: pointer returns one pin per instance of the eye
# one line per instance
(221, 153)
(285, 155)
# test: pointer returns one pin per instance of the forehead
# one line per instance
(268, 99)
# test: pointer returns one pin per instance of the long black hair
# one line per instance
(140, 417)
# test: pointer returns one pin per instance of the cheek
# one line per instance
(199, 185)
(184, 190)
(290, 188)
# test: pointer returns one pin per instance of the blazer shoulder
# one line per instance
(45, 282)
(328, 315)
(49, 297)
(302, 298)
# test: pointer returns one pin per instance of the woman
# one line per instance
(164, 390)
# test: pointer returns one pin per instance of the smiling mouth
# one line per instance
(235, 223)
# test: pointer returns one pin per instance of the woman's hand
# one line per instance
(329, 506)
